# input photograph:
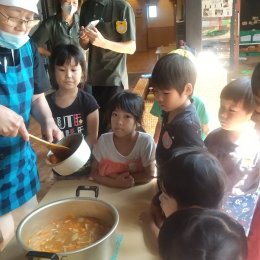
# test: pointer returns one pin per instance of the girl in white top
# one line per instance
(125, 156)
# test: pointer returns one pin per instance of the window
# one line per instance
(152, 11)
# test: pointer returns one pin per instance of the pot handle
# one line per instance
(31, 254)
(93, 188)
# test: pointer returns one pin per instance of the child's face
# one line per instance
(17, 17)
(68, 76)
(256, 114)
(122, 123)
(168, 204)
(232, 115)
(170, 100)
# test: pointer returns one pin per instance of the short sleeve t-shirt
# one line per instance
(73, 119)
(54, 31)
(111, 161)
(200, 109)
(106, 67)
(183, 131)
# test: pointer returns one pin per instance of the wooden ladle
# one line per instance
(61, 151)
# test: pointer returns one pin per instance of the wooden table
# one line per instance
(129, 203)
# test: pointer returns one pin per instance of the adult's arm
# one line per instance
(92, 127)
(97, 39)
(42, 114)
(145, 176)
(42, 35)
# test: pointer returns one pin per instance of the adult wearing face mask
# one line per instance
(61, 28)
(23, 82)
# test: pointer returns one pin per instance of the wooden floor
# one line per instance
(141, 62)
(138, 63)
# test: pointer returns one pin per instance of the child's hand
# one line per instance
(113, 175)
(141, 178)
(157, 214)
(51, 132)
(146, 218)
(124, 180)
(150, 229)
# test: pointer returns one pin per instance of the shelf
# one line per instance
(223, 38)
(249, 54)
(251, 43)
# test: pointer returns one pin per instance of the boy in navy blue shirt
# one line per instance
(173, 79)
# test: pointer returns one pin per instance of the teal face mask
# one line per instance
(12, 41)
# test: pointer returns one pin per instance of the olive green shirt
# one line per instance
(54, 31)
(106, 67)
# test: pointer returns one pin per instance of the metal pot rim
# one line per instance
(42, 208)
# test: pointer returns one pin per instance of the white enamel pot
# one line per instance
(79, 157)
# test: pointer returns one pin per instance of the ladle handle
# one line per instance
(39, 139)
(37, 254)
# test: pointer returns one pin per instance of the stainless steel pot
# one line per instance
(79, 157)
(87, 207)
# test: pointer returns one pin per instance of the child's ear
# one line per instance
(188, 89)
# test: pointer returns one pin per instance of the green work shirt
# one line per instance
(106, 67)
(54, 31)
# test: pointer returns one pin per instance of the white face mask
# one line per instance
(68, 8)
(12, 41)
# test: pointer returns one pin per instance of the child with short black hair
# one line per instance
(125, 156)
(173, 79)
(192, 178)
(200, 234)
(73, 110)
(237, 147)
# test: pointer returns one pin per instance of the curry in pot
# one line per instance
(68, 234)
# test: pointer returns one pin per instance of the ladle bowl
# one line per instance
(58, 150)
(80, 153)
